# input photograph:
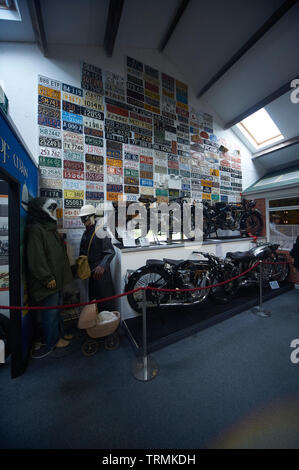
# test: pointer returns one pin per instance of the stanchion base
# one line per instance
(145, 369)
(261, 312)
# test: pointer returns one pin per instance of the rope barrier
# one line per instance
(107, 299)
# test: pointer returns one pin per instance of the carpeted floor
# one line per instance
(232, 385)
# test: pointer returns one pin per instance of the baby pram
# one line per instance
(98, 330)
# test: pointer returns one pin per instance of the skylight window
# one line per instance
(260, 129)
(9, 10)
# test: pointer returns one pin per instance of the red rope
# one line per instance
(107, 299)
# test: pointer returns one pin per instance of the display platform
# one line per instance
(134, 258)
(168, 325)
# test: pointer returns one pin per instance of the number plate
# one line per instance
(49, 92)
(93, 141)
(71, 107)
(94, 176)
(146, 182)
(71, 213)
(73, 147)
(94, 195)
(50, 122)
(71, 165)
(97, 187)
(91, 113)
(73, 174)
(115, 179)
(93, 132)
(114, 188)
(94, 168)
(71, 117)
(49, 82)
(49, 112)
(74, 156)
(46, 101)
(50, 172)
(131, 189)
(51, 193)
(71, 194)
(51, 183)
(132, 173)
(71, 89)
(73, 203)
(72, 98)
(111, 170)
(48, 132)
(129, 180)
(49, 142)
(114, 162)
(98, 159)
(92, 150)
(73, 127)
(48, 161)
(50, 152)
(74, 185)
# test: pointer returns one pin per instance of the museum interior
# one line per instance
(149, 224)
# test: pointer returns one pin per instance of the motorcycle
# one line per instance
(168, 274)
(242, 217)
(153, 217)
(266, 252)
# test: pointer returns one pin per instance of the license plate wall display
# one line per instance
(116, 138)
(210, 167)
(114, 86)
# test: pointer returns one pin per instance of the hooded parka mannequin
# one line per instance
(48, 268)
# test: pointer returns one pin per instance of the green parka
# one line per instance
(46, 255)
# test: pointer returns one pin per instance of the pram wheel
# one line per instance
(111, 342)
(89, 347)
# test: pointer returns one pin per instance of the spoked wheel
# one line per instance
(280, 270)
(202, 281)
(267, 270)
(254, 224)
(225, 293)
(111, 342)
(150, 276)
(90, 347)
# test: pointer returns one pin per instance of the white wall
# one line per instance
(20, 65)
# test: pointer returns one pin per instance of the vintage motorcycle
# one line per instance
(266, 252)
(175, 221)
(243, 217)
(168, 274)
(182, 274)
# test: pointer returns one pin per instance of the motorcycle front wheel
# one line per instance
(149, 276)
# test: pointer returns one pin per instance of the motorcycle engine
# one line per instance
(185, 278)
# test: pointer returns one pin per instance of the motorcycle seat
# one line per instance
(240, 255)
(151, 262)
(173, 262)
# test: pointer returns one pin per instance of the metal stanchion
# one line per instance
(146, 367)
(259, 310)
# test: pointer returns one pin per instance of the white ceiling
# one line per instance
(208, 34)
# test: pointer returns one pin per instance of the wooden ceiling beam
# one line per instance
(260, 104)
(38, 25)
(271, 21)
(112, 25)
(179, 13)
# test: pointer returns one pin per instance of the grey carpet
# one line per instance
(232, 385)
